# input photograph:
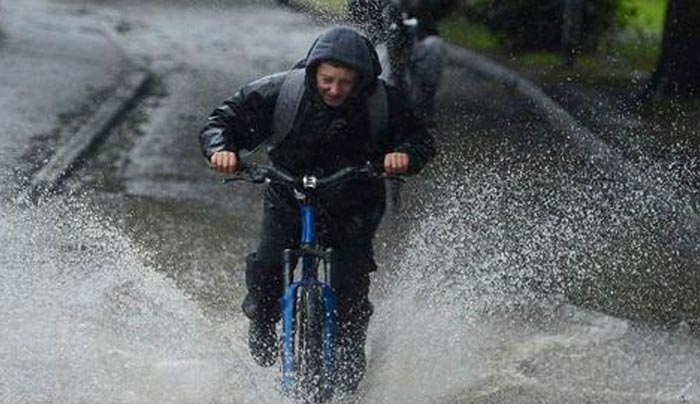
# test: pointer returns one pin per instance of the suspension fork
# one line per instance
(289, 259)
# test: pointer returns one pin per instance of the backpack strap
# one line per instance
(287, 105)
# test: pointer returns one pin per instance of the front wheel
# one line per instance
(312, 383)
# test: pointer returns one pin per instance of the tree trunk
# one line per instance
(677, 73)
(571, 30)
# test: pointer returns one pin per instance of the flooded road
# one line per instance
(126, 289)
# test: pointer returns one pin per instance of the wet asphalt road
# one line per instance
(55, 65)
(458, 316)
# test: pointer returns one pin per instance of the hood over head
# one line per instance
(348, 47)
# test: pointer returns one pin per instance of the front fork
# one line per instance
(288, 303)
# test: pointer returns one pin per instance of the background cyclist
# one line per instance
(417, 54)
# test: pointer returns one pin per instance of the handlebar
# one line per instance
(259, 173)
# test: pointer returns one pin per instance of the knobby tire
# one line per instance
(308, 353)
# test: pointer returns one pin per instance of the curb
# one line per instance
(70, 155)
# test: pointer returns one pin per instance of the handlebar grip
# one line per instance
(342, 174)
(263, 172)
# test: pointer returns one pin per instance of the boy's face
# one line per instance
(335, 83)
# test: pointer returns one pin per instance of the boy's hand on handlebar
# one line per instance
(396, 163)
(224, 162)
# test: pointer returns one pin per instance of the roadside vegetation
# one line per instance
(633, 41)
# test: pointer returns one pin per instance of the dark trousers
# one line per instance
(352, 261)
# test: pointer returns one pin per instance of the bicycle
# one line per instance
(308, 361)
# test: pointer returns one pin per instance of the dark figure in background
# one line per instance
(417, 54)
(330, 131)
(571, 30)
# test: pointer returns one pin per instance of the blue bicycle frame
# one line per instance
(309, 283)
(311, 258)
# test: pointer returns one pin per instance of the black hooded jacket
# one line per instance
(323, 139)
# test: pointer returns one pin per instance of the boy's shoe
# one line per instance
(262, 341)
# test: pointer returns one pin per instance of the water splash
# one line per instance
(519, 226)
(85, 320)
(475, 307)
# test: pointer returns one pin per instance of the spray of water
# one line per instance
(476, 306)
(85, 320)
(473, 306)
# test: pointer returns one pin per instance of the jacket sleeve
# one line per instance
(408, 132)
(244, 121)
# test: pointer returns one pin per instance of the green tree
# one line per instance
(677, 73)
(538, 24)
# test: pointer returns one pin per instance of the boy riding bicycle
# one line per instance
(333, 125)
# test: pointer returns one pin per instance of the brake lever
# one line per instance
(232, 179)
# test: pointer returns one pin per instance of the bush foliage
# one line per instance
(537, 24)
